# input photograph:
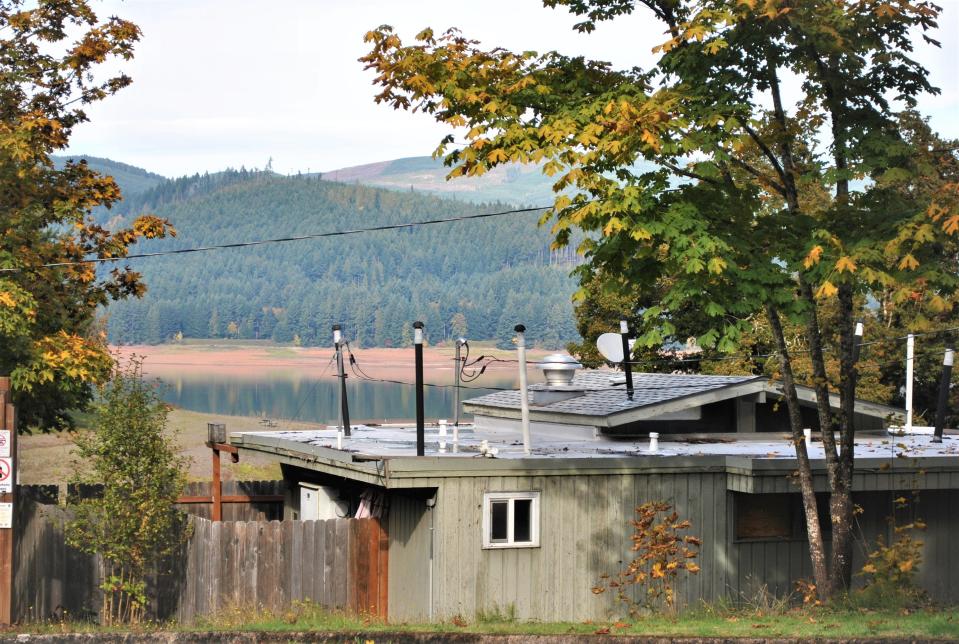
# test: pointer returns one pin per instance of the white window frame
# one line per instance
(511, 497)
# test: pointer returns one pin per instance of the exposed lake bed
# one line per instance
(259, 387)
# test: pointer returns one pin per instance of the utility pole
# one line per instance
(344, 402)
(458, 361)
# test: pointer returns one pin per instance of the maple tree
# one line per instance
(755, 206)
(51, 53)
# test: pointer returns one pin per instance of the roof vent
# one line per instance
(559, 369)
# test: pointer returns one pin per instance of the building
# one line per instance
(476, 525)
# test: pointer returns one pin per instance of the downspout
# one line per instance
(430, 504)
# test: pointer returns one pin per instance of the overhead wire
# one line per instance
(279, 240)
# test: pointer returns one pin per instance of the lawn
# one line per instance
(940, 623)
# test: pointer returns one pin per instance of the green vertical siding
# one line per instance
(583, 535)
(408, 558)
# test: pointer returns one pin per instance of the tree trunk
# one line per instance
(841, 507)
(817, 552)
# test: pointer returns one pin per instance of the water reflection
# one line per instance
(308, 399)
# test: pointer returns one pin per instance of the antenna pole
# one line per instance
(418, 356)
(627, 357)
(344, 402)
(943, 395)
(523, 393)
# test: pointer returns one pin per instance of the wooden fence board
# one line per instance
(337, 563)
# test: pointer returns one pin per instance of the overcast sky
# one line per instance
(221, 83)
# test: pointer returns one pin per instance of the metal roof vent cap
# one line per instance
(559, 369)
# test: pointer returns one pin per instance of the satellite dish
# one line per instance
(611, 346)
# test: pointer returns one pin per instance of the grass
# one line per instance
(705, 622)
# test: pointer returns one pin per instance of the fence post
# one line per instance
(8, 485)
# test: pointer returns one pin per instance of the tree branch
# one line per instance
(692, 175)
(781, 189)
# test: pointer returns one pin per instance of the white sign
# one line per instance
(6, 515)
(4, 442)
(6, 478)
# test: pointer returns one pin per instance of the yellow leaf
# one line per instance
(827, 290)
(497, 155)
(716, 265)
(846, 264)
(951, 225)
(906, 565)
(813, 256)
(908, 263)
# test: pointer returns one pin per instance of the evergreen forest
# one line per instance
(475, 279)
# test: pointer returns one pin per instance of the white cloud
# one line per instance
(235, 82)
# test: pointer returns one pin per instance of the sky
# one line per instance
(230, 83)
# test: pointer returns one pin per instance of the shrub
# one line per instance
(662, 554)
(133, 524)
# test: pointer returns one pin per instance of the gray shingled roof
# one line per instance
(603, 397)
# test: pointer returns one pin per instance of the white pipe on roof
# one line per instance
(910, 359)
(523, 391)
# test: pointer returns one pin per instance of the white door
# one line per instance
(309, 503)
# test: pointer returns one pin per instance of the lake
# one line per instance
(310, 399)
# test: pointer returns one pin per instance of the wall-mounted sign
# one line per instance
(6, 515)
(6, 478)
(4, 442)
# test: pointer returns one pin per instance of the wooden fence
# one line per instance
(339, 564)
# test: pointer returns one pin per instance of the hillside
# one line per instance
(516, 184)
(131, 179)
(486, 275)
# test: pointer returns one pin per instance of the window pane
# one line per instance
(764, 516)
(523, 520)
(498, 520)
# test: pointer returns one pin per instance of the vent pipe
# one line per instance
(523, 391)
(627, 358)
(943, 395)
(559, 369)
(418, 355)
(910, 359)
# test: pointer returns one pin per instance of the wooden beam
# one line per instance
(8, 535)
(217, 487)
(233, 498)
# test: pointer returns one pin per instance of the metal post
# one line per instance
(627, 357)
(344, 402)
(523, 393)
(910, 358)
(458, 362)
(420, 421)
(944, 382)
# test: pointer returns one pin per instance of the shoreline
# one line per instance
(253, 360)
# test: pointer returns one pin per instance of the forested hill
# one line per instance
(514, 183)
(476, 278)
(131, 179)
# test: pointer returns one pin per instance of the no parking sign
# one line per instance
(4, 442)
(6, 474)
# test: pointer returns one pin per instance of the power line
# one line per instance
(279, 240)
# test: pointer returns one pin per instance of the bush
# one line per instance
(662, 554)
(133, 524)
